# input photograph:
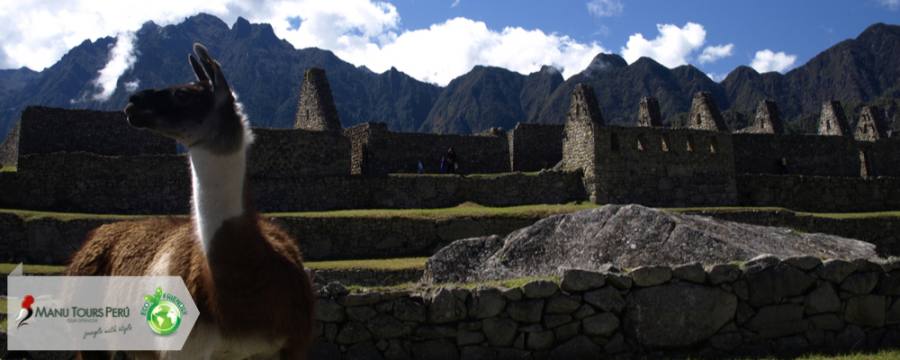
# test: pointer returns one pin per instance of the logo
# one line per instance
(26, 311)
(163, 312)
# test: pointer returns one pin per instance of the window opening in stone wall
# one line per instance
(665, 142)
(690, 143)
(865, 169)
(713, 144)
(640, 142)
(697, 119)
(613, 142)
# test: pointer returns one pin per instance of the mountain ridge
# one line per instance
(266, 73)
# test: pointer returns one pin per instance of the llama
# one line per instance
(245, 273)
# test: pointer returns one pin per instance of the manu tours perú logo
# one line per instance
(163, 311)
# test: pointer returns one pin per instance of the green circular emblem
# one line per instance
(163, 317)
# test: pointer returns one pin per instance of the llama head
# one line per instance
(200, 114)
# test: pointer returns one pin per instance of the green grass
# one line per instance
(463, 210)
(860, 215)
(5, 269)
(9, 169)
(379, 264)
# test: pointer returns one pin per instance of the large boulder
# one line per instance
(626, 236)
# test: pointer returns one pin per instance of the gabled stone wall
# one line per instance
(833, 121)
(768, 119)
(315, 108)
(871, 125)
(9, 149)
(765, 307)
(705, 114)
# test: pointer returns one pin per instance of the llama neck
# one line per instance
(218, 188)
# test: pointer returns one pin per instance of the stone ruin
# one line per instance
(871, 126)
(584, 107)
(768, 120)
(833, 121)
(315, 109)
(705, 114)
(649, 113)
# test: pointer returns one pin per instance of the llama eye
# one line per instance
(182, 96)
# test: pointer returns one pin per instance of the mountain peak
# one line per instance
(241, 28)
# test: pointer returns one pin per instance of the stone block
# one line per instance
(352, 333)
(805, 263)
(774, 285)
(860, 283)
(539, 289)
(835, 270)
(385, 326)
(464, 337)
(606, 298)
(409, 309)
(722, 273)
(645, 276)
(539, 341)
(691, 272)
(822, 300)
(561, 304)
(576, 280)
(760, 263)
(580, 347)
(865, 310)
(499, 331)
(527, 311)
(489, 302)
(435, 350)
(603, 324)
(446, 307)
(328, 310)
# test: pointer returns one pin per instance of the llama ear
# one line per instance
(198, 69)
(214, 71)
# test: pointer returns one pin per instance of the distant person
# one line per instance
(451, 161)
(421, 168)
(443, 164)
(782, 164)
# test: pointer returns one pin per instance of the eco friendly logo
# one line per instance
(26, 311)
(163, 312)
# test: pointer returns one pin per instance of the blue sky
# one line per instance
(438, 40)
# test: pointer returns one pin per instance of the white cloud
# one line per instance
(672, 47)
(454, 4)
(766, 61)
(444, 51)
(132, 86)
(717, 77)
(601, 8)
(892, 4)
(38, 33)
(121, 58)
(713, 53)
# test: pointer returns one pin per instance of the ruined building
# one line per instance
(649, 113)
(315, 109)
(705, 114)
(833, 121)
(320, 166)
(768, 120)
(871, 126)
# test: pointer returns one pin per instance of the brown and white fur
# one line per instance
(244, 273)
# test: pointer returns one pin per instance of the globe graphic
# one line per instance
(164, 318)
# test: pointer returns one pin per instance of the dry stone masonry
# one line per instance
(300, 169)
(649, 115)
(833, 121)
(705, 114)
(871, 125)
(9, 149)
(768, 120)
(767, 306)
(315, 109)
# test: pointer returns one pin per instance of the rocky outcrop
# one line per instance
(626, 237)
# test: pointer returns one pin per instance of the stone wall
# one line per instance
(358, 136)
(806, 154)
(819, 193)
(663, 167)
(44, 130)
(366, 277)
(833, 121)
(882, 157)
(285, 153)
(768, 119)
(315, 108)
(387, 152)
(533, 147)
(648, 114)
(705, 114)
(765, 307)
(871, 125)
(9, 149)
(94, 184)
